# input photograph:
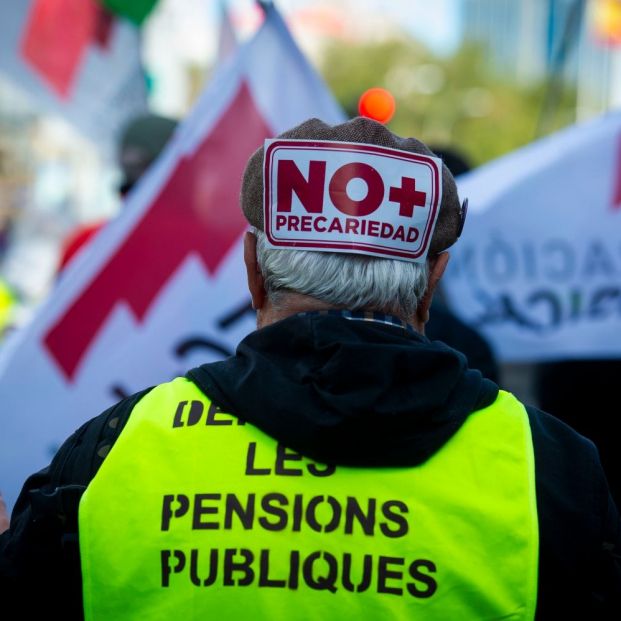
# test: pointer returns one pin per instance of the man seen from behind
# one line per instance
(340, 465)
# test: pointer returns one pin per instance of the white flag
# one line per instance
(162, 288)
(538, 268)
(227, 39)
(74, 59)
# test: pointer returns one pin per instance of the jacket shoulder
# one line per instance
(579, 525)
(80, 457)
(40, 549)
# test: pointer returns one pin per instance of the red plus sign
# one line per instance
(407, 197)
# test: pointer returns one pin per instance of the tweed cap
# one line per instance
(365, 131)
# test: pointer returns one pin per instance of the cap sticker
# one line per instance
(350, 197)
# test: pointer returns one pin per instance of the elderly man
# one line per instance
(340, 465)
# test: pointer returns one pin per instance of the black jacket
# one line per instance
(445, 326)
(349, 392)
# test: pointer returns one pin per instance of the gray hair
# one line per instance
(351, 281)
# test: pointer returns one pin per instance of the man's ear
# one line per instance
(253, 272)
(437, 265)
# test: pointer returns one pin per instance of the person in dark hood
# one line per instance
(340, 465)
(140, 143)
(444, 325)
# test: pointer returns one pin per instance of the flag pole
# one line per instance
(265, 4)
(554, 84)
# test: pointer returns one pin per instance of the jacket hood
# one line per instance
(348, 392)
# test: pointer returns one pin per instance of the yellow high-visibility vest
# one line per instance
(196, 515)
(8, 303)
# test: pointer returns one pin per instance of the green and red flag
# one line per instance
(162, 285)
(134, 10)
(77, 58)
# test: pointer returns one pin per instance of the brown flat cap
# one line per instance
(365, 131)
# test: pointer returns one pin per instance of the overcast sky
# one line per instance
(182, 32)
(435, 22)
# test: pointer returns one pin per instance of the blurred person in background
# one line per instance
(443, 324)
(11, 297)
(4, 517)
(576, 391)
(9, 300)
(141, 142)
(340, 464)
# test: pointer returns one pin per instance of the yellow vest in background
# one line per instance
(195, 515)
(8, 302)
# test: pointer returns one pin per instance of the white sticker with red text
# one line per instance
(350, 197)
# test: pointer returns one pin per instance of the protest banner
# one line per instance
(162, 288)
(538, 267)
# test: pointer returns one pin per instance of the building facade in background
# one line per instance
(530, 41)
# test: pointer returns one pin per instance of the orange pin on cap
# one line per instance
(377, 104)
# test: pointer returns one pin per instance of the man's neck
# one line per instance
(293, 303)
(288, 304)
